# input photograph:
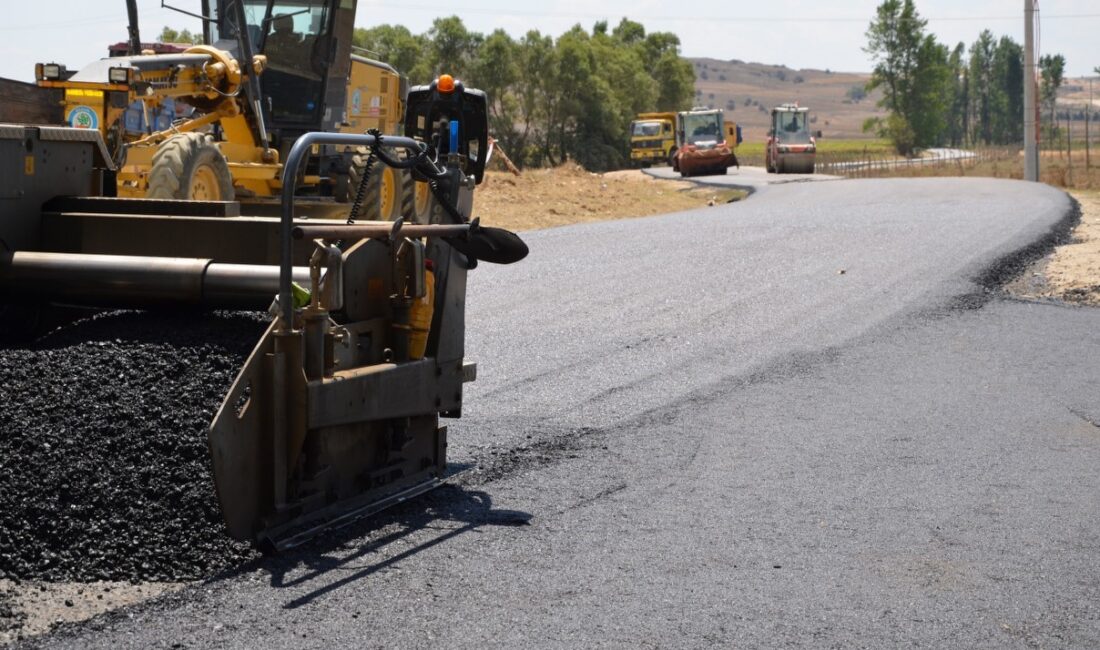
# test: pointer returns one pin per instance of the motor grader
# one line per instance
(336, 413)
(266, 73)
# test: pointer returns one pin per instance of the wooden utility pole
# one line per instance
(1069, 145)
(1031, 149)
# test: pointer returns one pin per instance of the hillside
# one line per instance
(748, 91)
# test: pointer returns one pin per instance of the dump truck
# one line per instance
(249, 93)
(652, 139)
(705, 142)
(791, 149)
(336, 413)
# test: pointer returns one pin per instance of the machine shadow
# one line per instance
(451, 509)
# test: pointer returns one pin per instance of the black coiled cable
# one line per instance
(361, 190)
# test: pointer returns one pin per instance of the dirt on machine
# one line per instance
(216, 121)
(337, 411)
(791, 148)
(705, 142)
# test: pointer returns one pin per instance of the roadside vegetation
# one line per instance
(551, 99)
(941, 96)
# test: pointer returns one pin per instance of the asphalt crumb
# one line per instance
(104, 465)
(1007, 268)
(545, 448)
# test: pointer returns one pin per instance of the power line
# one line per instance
(449, 9)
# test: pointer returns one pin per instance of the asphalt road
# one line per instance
(744, 178)
(793, 421)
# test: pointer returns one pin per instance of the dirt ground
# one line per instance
(1072, 272)
(545, 198)
(36, 607)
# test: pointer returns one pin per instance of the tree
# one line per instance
(169, 35)
(958, 115)
(451, 46)
(1052, 69)
(911, 70)
(395, 45)
(495, 69)
(982, 87)
(1008, 99)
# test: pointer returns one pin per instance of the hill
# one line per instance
(748, 91)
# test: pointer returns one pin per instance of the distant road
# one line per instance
(747, 178)
(792, 421)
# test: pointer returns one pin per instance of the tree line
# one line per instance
(551, 99)
(936, 95)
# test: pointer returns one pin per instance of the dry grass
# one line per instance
(1055, 168)
(545, 198)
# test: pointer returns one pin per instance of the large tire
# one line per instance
(189, 167)
(383, 198)
(422, 202)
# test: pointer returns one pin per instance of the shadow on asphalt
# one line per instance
(450, 509)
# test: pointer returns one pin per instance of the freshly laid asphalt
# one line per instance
(801, 420)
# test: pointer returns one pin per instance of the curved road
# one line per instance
(797, 420)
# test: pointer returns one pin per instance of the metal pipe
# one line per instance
(377, 231)
(133, 281)
(298, 152)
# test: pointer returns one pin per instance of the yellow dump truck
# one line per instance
(652, 138)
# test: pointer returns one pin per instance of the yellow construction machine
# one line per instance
(336, 413)
(267, 73)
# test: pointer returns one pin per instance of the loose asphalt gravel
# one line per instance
(104, 468)
(803, 420)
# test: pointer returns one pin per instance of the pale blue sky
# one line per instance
(796, 33)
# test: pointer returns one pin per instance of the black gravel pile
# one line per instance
(104, 467)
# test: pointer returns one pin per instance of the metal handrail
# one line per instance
(298, 152)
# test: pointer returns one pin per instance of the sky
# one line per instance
(795, 33)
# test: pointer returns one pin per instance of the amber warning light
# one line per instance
(446, 84)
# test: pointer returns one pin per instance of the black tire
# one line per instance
(408, 198)
(189, 166)
(379, 203)
(672, 161)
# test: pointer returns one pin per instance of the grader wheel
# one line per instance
(422, 202)
(382, 200)
(189, 167)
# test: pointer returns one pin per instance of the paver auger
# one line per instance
(336, 413)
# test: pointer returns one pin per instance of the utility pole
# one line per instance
(1088, 118)
(1031, 150)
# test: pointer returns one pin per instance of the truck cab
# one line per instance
(652, 139)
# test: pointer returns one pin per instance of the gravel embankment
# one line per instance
(104, 468)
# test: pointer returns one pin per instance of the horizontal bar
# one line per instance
(377, 231)
(139, 281)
